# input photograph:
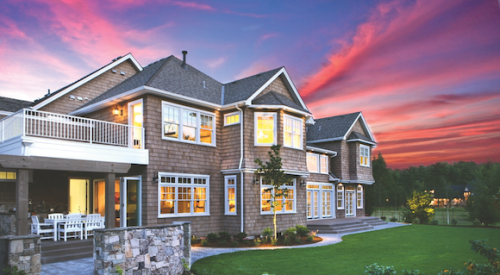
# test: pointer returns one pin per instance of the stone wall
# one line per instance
(143, 249)
(23, 252)
(7, 224)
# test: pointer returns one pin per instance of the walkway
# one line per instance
(86, 266)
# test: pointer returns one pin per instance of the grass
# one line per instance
(427, 248)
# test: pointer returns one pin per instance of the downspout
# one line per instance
(239, 166)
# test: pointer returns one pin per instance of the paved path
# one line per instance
(86, 266)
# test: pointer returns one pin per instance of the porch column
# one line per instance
(109, 201)
(22, 202)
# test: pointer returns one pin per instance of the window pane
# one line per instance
(233, 119)
(266, 197)
(312, 163)
(167, 200)
(231, 196)
(297, 129)
(324, 165)
(167, 207)
(189, 118)
(265, 129)
(171, 130)
(206, 136)
(206, 122)
(171, 114)
(189, 133)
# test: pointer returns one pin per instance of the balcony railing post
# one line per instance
(91, 126)
(23, 123)
(143, 134)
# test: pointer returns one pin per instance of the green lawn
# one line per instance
(427, 248)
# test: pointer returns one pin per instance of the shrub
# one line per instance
(267, 234)
(419, 207)
(476, 222)
(454, 222)
(302, 230)
(309, 238)
(434, 222)
(287, 241)
(235, 243)
(313, 233)
(240, 236)
(222, 242)
(416, 221)
(223, 235)
(298, 241)
(383, 218)
(212, 237)
(256, 242)
(274, 242)
(394, 219)
(290, 232)
(376, 269)
(204, 243)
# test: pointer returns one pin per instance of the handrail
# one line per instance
(27, 122)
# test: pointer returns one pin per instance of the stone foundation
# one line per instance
(23, 252)
(142, 249)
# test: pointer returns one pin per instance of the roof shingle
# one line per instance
(331, 127)
(13, 105)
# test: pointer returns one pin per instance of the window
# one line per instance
(292, 132)
(364, 155)
(188, 125)
(7, 175)
(265, 129)
(230, 195)
(317, 163)
(340, 196)
(285, 204)
(232, 118)
(183, 195)
(359, 197)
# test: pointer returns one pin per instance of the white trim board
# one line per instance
(128, 56)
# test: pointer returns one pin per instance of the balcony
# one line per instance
(43, 134)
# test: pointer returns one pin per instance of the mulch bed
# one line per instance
(251, 244)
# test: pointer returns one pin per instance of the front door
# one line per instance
(327, 197)
(349, 203)
(130, 201)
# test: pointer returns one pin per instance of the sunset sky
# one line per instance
(425, 74)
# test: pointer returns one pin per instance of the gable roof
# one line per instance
(337, 128)
(355, 136)
(274, 98)
(243, 89)
(11, 105)
(39, 103)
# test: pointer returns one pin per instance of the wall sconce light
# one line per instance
(256, 179)
(155, 176)
(302, 182)
(117, 112)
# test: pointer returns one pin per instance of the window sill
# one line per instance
(231, 124)
(364, 165)
(182, 215)
(189, 142)
(230, 214)
(290, 147)
(278, 213)
(264, 145)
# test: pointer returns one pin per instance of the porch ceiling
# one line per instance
(73, 165)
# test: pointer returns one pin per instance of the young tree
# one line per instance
(273, 174)
(419, 207)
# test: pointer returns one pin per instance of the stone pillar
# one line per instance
(186, 249)
(109, 201)
(22, 252)
(22, 202)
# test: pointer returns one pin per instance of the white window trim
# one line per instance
(226, 187)
(336, 197)
(320, 158)
(192, 185)
(283, 211)
(292, 118)
(232, 114)
(357, 192)
(361, 147)
(181, 122)
(256, 114)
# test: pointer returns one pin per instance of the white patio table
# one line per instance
(56, 221)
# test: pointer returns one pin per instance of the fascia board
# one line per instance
(367, 127)
(350, 128)
(5, 113)
(252, 97)
(87, 79)
(362, 141)
(320, 150)
(325, 140)
(290, 82)
(286, 108)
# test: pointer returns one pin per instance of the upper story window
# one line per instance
(317, 163)
(292, 132)
(232, 118)
(188, 125)
(285, 204)
(364, 155)
(183, 195)
(265, 129)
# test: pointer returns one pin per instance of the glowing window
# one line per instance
(183, 195)
(265, 128)
(230, 195)
(364, 155)
(340, 196)
(359, 197)
(292, 132)
(286, 204)
(232, 118)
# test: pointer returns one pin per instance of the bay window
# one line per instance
(183, 195)
(285, 204)
(364, 155)
(230, 195)
(292, 132)
(265, 129)
(317, 163)
(187, 124)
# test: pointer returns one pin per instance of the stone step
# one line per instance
(66, 257)
(54, 252)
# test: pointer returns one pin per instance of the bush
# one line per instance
(267, 234)
(204, 243)
(287, 241)
(256, 242)
(476, 222)
(376, 269)
(302, 230)
(290, 232)
(434, 222)
(309, 238)
(212, 237)
(394, 219)
(235, 243)
(222, 242)
(274, 242)
(298, 241)
(416, 221)
(223, 235)
(454, 222)
(418, 207)
(383, 218)
(240, 236)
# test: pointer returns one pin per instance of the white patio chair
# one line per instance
(93, 221)
(72, 224)
(56, 216)
(42, 229)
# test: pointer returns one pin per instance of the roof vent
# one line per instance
(319, 129)
(184, 53)
(48, 92)
(204, 86)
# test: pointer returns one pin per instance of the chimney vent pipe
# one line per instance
(184, 53)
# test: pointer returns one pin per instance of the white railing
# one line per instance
(28, 122)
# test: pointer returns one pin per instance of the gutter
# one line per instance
(239, 166)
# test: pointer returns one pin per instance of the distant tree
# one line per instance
(419, 207)
(274, 175)
(483, 201)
